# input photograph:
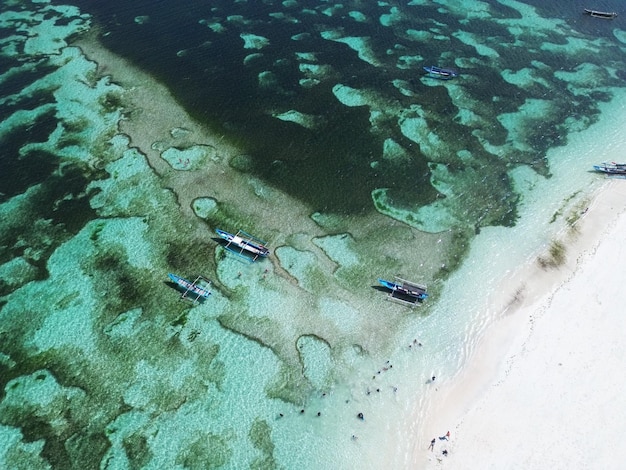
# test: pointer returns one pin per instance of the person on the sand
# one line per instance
(432, 444)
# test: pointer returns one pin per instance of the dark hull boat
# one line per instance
(611, 168)
(440, 73)
(191, 290)
(608, 15)
(403, 291)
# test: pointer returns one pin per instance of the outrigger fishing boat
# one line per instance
(440, 73)
(403, 291)
(193, 291)
(607, 15)
(611, 168)
(246, 243)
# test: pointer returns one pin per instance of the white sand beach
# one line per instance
(545, 387)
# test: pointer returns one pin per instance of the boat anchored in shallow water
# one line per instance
(441, 73)
(246, 243)
(403, 291)
(611, 168)
(192, 291)
(607, 15)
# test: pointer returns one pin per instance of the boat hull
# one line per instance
(608, 15)
(611, 168)
(189, 286)
(245, 244)
(395, 287)
(440, 73)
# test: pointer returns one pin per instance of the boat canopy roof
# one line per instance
(242, 243)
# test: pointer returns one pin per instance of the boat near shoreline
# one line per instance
(611, 168)
(607, 15)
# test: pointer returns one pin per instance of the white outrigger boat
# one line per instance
(245, 242)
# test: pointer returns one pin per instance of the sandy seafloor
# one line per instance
(108, 184)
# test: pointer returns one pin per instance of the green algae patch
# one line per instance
(557, 252)
(123, 326)
(243, 162)
(261, 437)
(290, 386)
(303, 266)
(316, 358)
(207, 451)
(340, 248)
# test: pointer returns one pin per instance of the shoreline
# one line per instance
(514, 403)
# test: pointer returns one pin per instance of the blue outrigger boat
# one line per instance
(441, 73)
(405, 291)
(199, 292)
(246, 243)
(611, 168)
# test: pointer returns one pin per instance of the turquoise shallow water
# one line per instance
(352, 164)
